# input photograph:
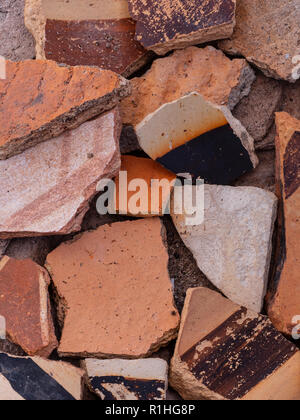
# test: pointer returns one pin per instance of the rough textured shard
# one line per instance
(53, 99)
(267, 34)
(25, 305)
(79, 33)
(36, 379)
(122, 265)
(284, 299)
(191, 135)
(234, 244)
(257, 111)
(16, 42)
(226, 352)
(172, 24)
(152, 200)
(207, 71)
(144, 379)
(63, 174)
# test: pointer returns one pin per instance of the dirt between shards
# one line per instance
(183, 269)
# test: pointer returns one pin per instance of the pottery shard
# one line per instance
(51, 194)
(128, 380)
(36, 379)
(233, 245)
(95, 34)
(16, 42)
(257, 111)
(207, 71)
(226, 352)
(107, 283)
(284, 298)
(25, 306)
(167, 25)
(267, 34)
(192, 135)
(152, 198)
(53, 99)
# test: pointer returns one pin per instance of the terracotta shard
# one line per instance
(207, 71)
(235, 257)
(25, 305)
(284, 297)
(36, 379)
(53, 99)
(63, 175)
(95, 34)
(191, 135)
(16, 42)
(167, 25)
(145, 379)
(151, 200)
(231, 354)
(267, 34)
(107, 282)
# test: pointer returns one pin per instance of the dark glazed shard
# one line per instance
(217, 156)
(167, 24)
(292, 165)
(38, 380)
(226, 352)
(118, 379)
(142, 389)
(191, 135)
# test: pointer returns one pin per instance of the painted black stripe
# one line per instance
(241, 356)
(143, 389)
(218, 157)
(30, 381)
(291, 165)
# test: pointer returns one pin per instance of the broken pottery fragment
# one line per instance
(16, 42)
(75, 32)
(207, 71)
(36, 379)
(267, 34)
(151, 200)
(191, 135)
(257, 111)
(53, 99)
(51, 194)
(25, 305)
(226, 352)
(106, 283)
(284, 296)
(143, 379)
(233, 245)
(166, 25)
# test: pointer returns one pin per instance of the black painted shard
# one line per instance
(145, 379)
(236, 355)
(193, 136)
(36, 379)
